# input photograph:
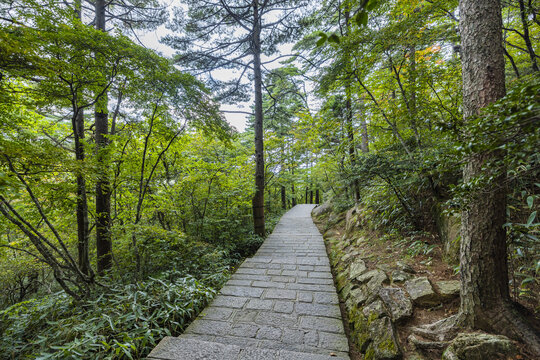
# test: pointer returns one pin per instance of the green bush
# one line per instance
(124, 323)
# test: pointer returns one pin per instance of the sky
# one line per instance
(151, 39)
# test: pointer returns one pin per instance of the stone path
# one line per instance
(280, 304)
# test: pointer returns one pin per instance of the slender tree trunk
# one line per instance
(258, 198)
(283, 197)
(82, 202)
(485, 299)
(412, 97)
(317, 200)
(103, 193)
(526, 35)
(293, 195)
(77, 123)
(363, 126)
(349, 116)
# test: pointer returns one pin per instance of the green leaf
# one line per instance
(361, 18)
(531, 218)
(530, 201)
(334, 38)
(322, 40)
(372, 4)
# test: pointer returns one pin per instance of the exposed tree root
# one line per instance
(442, 330)
(423, 345)
(507, 318)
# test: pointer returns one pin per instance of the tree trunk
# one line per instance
(293, 195)
(526, 35)
(317, 201)
(103, 193)
(258, 198)
(485, 300)
(77, 123)
(363, 126)
(283, 197)
(349, 116)
(82, 202)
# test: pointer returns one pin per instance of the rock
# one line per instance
(448, 290)
(373, 281)
(400, 276)
(374, 310)
(359, 296)
(377, 276)
(478, 346)
(351, 220)
(360, 329)
(422, 292)
(397, 302)
(322, 209)
(341, 280)
(357, 268)
(405, 267)
(346, 291)
(384, 344)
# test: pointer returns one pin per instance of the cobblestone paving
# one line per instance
(280, 304)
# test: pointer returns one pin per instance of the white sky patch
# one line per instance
(151, 39)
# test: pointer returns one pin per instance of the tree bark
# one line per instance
(526, 35)
(283, 197)
(317, 196)
(349, 115)
(103, 193)
(258, 198)
(485, 297)
(77, 123)
(82, 201)
(364, 132)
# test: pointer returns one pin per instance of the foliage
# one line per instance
(124, 322)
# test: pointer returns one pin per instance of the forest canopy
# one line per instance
(124, 192)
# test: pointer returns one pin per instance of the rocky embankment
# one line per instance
(386, 298)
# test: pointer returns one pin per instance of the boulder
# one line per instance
(373, 281)
(479, 346)
(351, 220)
(384, 342)
(374, 310)
(359, 296)
(399, 276)
(405, 267)
(448, 290)
(357, 268)
(422, 292)
(322, 209)
(397, 302)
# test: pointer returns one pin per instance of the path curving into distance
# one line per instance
(280, 304)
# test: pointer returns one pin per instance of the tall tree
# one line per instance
(103, 192)
(485, 300)
(229, 36)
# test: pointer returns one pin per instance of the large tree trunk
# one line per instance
(82, 202)
(103, 193)
(77, 123)
(483, 259)
(258, 198)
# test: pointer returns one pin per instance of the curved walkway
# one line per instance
(280, 304)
